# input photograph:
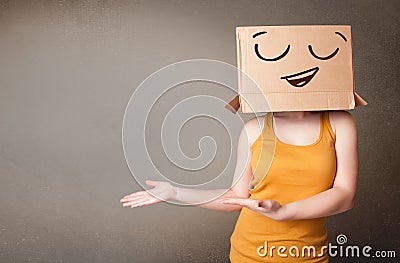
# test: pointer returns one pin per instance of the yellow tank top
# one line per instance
(286, 173)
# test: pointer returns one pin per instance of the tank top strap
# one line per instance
(263, 154)
(327, 128)
(268, 131)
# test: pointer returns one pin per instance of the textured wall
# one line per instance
(67, 70)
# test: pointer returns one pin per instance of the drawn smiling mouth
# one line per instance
(301, 79)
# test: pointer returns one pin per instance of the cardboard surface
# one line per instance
(295, 68)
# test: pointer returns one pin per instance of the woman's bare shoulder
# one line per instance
(253, 128)
(341, 120)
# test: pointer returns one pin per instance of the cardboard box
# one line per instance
(294, 68)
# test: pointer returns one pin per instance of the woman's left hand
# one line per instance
(268, 208)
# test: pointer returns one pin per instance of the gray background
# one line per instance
(67, 70)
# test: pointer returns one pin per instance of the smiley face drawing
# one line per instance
(302, 78)
(296, 67)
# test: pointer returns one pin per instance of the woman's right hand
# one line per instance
(162, 191)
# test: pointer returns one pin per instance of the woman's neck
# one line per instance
(292, 114)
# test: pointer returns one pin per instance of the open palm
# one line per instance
(162, 191)
(269, 208)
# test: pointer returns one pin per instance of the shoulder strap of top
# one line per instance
(265, 153)
(327, 125)
(268, 127)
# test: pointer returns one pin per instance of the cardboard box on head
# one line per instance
(294, 68)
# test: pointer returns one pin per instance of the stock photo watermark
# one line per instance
(340, 249)
(138, 124)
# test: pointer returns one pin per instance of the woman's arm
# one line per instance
(339, 198)
(209, 199)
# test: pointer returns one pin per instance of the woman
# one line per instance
(313, 175)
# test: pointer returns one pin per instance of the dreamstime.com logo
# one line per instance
(340, 249)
